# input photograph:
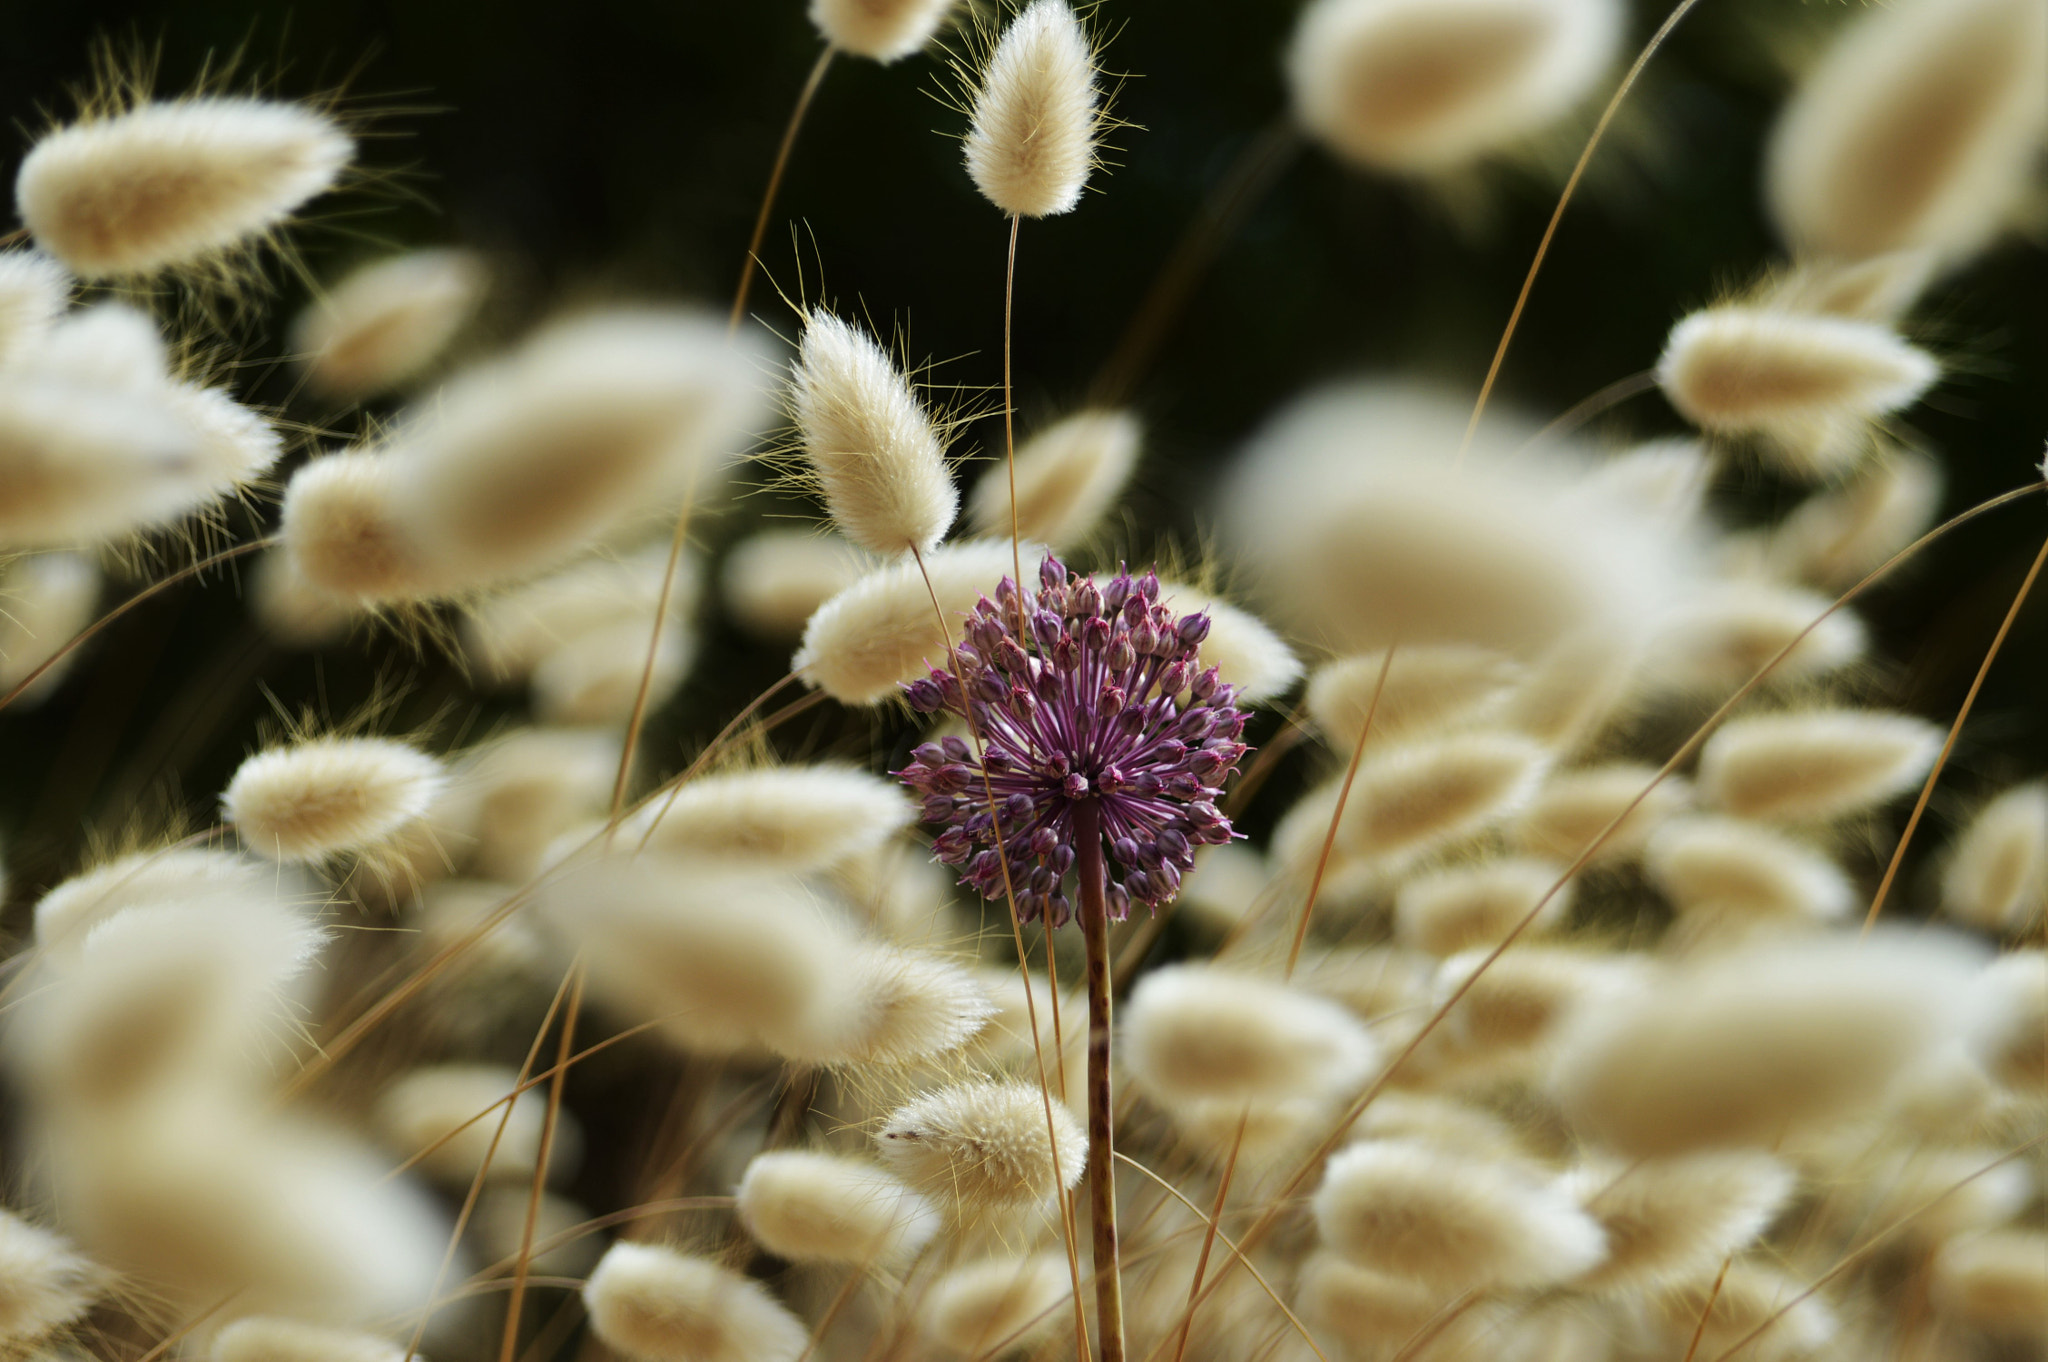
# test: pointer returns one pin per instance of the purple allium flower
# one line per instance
(1080, 736)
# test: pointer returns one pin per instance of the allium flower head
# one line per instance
(1080, 733)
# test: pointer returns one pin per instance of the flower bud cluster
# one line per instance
(1077, 694)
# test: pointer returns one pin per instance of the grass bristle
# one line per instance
(655, 1304)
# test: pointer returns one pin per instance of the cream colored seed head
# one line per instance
(1745, 1048)
(1452, 1222)
(2011, 1037)
(1242, 648)
(1573, 809)
(897, 1007)
(869, 441)
(1362, 1306)
(1997, 1281)
(1479, 904)
(236, 445)
(529, 787)
(1196, 1032)
(45, 599)
(269, 1338)
(33, 291)
(810, 1207)
(1410, 799)
(1068, 476)
(1726, 868)
(1751, 1301)
(512, 633)
(1672, 1222)
(1936, 1195)
(866, 642)
(1919, 128)
(456, 1110)
(44, 1283)
(1036, 115)
(1665, 479)
(787, 819)
(1742, 370)
(981, 1308)
(345, 537)
(165, 185)
(979, 1145)
(68, 913)
(387, 321)
(1997, 872)
(1424, 85)
(1733, 630)
(654, 1304)
(1428, 687)
(329, 795)
(774, 581)
(1512, 1010)
(1814, 765)
(880, 30)
(1833, 538)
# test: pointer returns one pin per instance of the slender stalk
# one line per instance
(796, 121)
(1010, 423)
(1109, 1295)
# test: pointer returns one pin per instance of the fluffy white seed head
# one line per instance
(517, 464)
(1425, 85)
(1225, 886)
(1365, 1307)
(33, 291)
(811, 1207)
(1997, 1281)
(1725, 636)
(1672, 1222)
(1411, 799)
(1512, 1011)
(791, 819)
(1036, 116)
(1363, 529)
(526, 789)
(1242, 648)
(1835, 537)
(2011, 1037)
(881, 632)
(976, 1308)
(1453, 1222)
(1724, 868)
(270, 1338)
(1777, 1309)
(1919, 128)
(44, 1282)
(386, 321)
(453, 1108)
(1196, 1032)
(979, 1145)
(774, 581)
(1814, 765)
(869, 441)
(169, 184)
(344, 535)
(1936, 1195)
(1479, 904)
(44, 600)
(1742, 370)
(896, 1007)
(880, 30)
(655, 1304)
(329, 795)
(1997, 872)
(1068, 476)
(725, 961)
(69, 912)
(1428, 687)
(1742, 1049)
(1574, 807)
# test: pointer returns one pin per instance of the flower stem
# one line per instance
(1109, 1298)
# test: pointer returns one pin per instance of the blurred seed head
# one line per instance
(1814, 765)
(1068, 477)
(774, 581)
(814, 1207)
(975, 1308)
(880, 30)
(386, 321)
(1199, 1032)
(655, 1304)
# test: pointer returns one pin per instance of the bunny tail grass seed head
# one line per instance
(1573, 808)
(980, 1146)
(315, 799)
(869, 442)
(1068, 476)
(344, 536)
(1733, 630)
(1724, 868)
(1739, 370)
(456, 1107)
(1425, 85)
(1814, 765)
(1361, 1306)
(774, 581)
(65, 915)
(897, 1007)
(880, 30)
(655, 1304)
(270, 1338)
(1452, 1222)
(386, 321)
(33, 292)
(1036, 117)
(2011, 1037)
(1774, 1312)
(987, 1307)
(168, 184)
(1479, 904)
(867, 642)
(1196, 1032)
(787, 819)
(1672, 1222)
(1833, 538)
(511, 634)
(1996, 1281)
(827, 1208)
(1919, 128)
(1412, 799)
(1426, 687)
(1997, 872)
(45, 599)
(1742, 1049)
(45, 1284)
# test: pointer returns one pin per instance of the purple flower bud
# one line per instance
(1126, 849)
(1052, 572)
(938, 808)
(990, 687)
(1044, 842)
(1111, 702)
(1204, 686)
(1196, 723)
(1086, 599)
(1061, 859)
(1017, 808)
(1145, 639)
(1122, 654)
(995, 761)
(1058, 911)
(924, 695)
(951, 778)
(1148, 586)
(956, 748)
(1139, 885)
(1174, 679)
(1192, 629)
(1165, 880)
(929, 753)
(1173, 844)
(1046, 627)
(1119, 902)
(1075, 786)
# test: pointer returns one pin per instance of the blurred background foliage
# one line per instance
(617, 149)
